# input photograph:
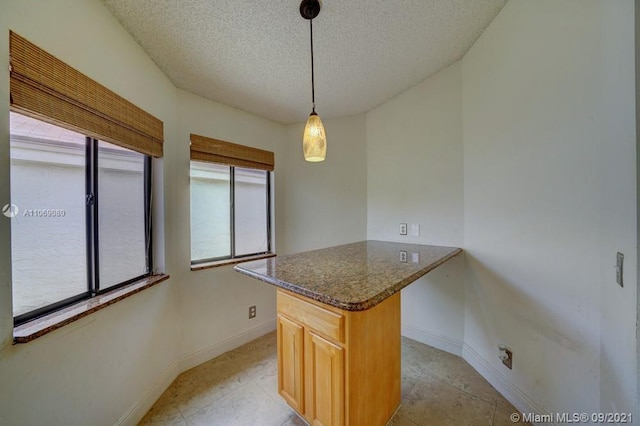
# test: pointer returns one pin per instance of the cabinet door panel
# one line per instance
(324, 381)
(290, 363)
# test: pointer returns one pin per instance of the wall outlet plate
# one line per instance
(252, 312)
(403, 229)
(403, 256)
(506, 356)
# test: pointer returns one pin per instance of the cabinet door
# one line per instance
(324, 381)
(290, 363)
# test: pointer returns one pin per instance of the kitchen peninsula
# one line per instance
(338, 326)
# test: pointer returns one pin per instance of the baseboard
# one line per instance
(186, 362)
(511, 392)
(140, 408)
(446, 344)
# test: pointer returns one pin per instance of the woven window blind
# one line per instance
(46, 88)
(221, 152)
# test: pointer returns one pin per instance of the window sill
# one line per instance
(31, 330)
(226, 262)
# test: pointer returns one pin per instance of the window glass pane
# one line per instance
(250, 211)
(210, 211)
(48, 238)
(121, 215)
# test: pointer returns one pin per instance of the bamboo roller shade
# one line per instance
(46, 88)
(231, 154)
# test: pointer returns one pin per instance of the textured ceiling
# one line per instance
(254, 54)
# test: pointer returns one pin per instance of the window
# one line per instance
(251, 211)
(80, 184)
(81, 226)
(123, 214)
(210, 211)
(230, 201)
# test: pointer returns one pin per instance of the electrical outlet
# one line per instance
(403, 256)
(505, 355)
(252, 312)
(403, 229)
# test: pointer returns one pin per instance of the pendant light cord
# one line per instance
(313, 89)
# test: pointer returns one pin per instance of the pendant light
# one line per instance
(314, 141)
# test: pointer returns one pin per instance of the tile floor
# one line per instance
(239, 389)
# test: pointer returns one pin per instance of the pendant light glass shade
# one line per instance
(314, 141)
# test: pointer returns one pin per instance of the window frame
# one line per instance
(92, 235)
(232, 257)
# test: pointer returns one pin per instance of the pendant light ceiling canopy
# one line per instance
(314, 141)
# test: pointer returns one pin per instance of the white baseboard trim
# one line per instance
(511, 392)
(186, 362)
(140, 408)
(446, 344)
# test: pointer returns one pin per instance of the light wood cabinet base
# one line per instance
(339, 367)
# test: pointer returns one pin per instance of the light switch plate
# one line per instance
(403, 229)
(415, 257)
(619, 268)
(415, 229)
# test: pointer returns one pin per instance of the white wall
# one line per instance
(414, 176)
(619, 191)
(524, 156)
(93, 371)
(637, 57)
(214, 302)
(549, 167)
(325, 203)
(111, 366)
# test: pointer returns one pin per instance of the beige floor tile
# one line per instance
(245, 405)
(255, 352)
(503, 417)
(401, 419)
(164, 412)
(416, 355)
(203, 385)
(505, 405)
(267, 377)
(240, 388)
(409, 380)
(167, 414)
(432, 402)
(455, 371)
(295, 420)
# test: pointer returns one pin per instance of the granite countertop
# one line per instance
(353, 277)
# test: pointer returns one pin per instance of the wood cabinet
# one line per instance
(324, 374)
(339, 367)
(290, 367)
